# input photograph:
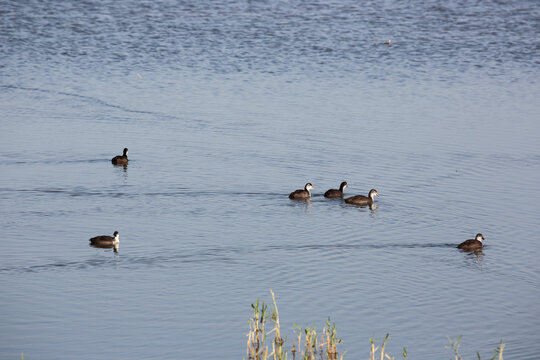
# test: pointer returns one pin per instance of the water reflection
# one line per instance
(373, 207)
(474, 258)
(115, 247)
(124, 166)
(124, 172)
(475, 253)
(307, 204)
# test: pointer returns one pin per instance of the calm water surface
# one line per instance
(227, 107)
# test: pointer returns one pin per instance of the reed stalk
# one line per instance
(382, 352)
(308, 345)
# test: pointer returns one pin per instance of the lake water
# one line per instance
(228, 106)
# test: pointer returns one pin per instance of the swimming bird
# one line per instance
(335, 193)
(105, 240)
(472, 244)
(361, 199)
(121, 159)
(302, 193)
(389, 42)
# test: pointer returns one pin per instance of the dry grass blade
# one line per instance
(308, 346)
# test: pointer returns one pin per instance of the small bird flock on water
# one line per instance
(471, 245)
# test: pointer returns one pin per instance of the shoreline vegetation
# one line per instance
(265, 332)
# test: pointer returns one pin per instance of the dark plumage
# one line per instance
(121, 159)
(472, 244)
(105, 240)
(301, 194)
(361, 199)
(335, 193)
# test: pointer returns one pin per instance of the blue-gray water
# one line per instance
(226, 107)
